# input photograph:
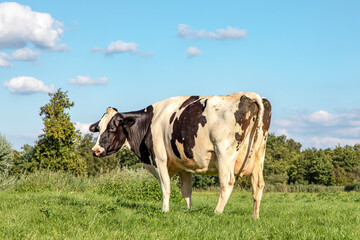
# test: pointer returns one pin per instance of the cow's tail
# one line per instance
(254, 135)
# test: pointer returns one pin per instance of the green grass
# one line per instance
(85, 209)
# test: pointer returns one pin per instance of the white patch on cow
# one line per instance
(126, 145)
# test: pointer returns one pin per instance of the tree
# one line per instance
(6, 157)
(23, 160)
(56, 148)
(281, 154)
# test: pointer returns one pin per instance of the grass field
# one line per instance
(127, 205)
(89, 215)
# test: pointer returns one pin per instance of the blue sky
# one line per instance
(304, 56)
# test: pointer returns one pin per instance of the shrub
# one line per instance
(46, 180)
(312, 188)
(130, 184)
(6, 162)
(135, 185)
(6, 156)
(355, 188)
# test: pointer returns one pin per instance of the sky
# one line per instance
(304, 56)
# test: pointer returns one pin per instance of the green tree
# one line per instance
(312, 167)
(346, 161)
(23, 160)
(281, 154)
(56, 148)
(6, 157)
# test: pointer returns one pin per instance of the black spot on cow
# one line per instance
(188, 101)
(246, 107)
(267, 116)
(140, 136)
(238, 139)
(186, 127)
(172, 117)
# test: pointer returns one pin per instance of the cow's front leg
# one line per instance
(257, 183)
(186, 187)
(164, 180)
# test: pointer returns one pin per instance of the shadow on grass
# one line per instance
(147, 208)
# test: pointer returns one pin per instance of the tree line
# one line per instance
(62, 148)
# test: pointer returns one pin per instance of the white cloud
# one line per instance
(27, 85)
(22, 54)
(121, 47)
(20, 25)
(96, 49)
(321, 129)
(193, 51)
(145, 54)
(282, 131)
(25, 54)
(87, 81)
(355, 123)
(321, 142)
(4, 60)
(323, 117)
(185, 31)
(83, 127)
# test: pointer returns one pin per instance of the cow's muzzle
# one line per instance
(98, 152)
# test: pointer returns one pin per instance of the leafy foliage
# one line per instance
(6, 156)
(281, 153)
(124, 183)
(286, 163)
(22, 160)
(136, 185)
(56, 148)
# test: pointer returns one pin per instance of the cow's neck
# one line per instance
(139, 135)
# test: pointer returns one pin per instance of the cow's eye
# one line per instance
(112, 128)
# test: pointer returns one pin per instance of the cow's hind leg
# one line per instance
(257, 183)
(186, 187)
(227, 180)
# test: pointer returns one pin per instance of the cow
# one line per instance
(223, 135)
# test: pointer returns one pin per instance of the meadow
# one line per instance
(61, 206)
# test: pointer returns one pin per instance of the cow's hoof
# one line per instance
(218, 211)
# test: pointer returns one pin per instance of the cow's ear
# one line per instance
(128, 121)
(94, 127)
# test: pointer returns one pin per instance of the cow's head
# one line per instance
(113, 131)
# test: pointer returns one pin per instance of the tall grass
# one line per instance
(298, 188)
(131, 184)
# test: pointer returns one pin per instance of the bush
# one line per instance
(6, 157)
(136, 185)
(130, 184)
(204, 181)
(355, 188)
(312, 188)
(46, 180)
(6, 163)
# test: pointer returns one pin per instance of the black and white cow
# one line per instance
(216, 135)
